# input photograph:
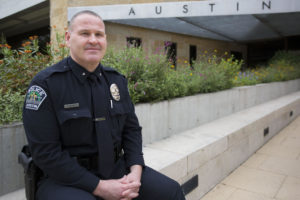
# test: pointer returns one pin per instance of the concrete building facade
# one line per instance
(151, 40)
(240, 27)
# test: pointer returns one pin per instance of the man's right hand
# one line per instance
(113, 189)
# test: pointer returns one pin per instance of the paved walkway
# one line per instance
(272, 173)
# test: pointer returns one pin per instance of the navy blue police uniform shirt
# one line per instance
(58, 122)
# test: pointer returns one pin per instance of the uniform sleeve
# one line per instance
(132, 137)
(43, 134)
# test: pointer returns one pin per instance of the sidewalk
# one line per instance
(272, 173)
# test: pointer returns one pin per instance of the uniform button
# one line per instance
(83, 74)
(74, 114)
(100, 74)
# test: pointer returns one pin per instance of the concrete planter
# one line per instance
(166, 118)
(12, 138)
(159, 120)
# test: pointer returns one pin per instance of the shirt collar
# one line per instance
(80, 72)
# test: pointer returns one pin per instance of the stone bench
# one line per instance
(214, 150)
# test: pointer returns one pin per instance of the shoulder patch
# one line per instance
(35, 97)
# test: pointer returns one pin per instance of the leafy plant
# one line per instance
(150, 78)
(146, 75)
(18, 67)
(11, 104)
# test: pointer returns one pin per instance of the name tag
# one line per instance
(99, 119)
(72, 105)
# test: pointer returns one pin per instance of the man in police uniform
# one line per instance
(82, 129)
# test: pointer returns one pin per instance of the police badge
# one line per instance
(114, 90)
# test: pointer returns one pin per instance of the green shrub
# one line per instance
(175, 84)
(11, 104)
(146, 75)
(216, 73)
(284, 65)
(246, 78)
(150, 78)
(18, 67)
(288, 57)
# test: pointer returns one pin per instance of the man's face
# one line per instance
(87, 40)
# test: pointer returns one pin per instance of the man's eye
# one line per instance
(84, 33)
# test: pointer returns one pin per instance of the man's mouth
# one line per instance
(93, 49)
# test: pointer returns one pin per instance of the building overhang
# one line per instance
(240, 21)
(17, 17)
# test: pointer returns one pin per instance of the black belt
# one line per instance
(91, 162)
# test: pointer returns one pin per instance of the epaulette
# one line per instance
(56, 68)
(109, 69)
(61, 66)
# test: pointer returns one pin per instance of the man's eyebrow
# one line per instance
(87, 30)
(83, 30)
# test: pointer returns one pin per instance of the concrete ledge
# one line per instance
(215, 149)
(16, 195)
(165, 119)
(168, 118)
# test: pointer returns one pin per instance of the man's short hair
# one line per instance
(70, 24)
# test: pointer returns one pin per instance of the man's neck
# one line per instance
(90, 67)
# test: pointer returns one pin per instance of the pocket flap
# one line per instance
(65, 115)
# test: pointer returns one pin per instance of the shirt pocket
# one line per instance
(76, 127)
(118, 114)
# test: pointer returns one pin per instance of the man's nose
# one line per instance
(92, 39)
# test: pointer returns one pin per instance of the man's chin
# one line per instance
(93, 59)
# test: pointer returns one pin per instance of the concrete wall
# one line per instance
(168, 118)
(12, 138)
(159, 120)
(213, 150)
(151, 39)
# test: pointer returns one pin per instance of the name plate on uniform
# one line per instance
(72, 105)
(99, 119)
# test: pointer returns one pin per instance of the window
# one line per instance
(193, 54)
(171, 50)
(236, 55)
(134, 42)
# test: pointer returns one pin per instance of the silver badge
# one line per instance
(114, 90)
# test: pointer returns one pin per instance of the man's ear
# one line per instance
(67, 38)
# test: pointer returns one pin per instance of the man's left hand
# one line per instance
(133, 177)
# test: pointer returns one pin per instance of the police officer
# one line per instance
(82, 129)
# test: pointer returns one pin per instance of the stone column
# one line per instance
(58, 17)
